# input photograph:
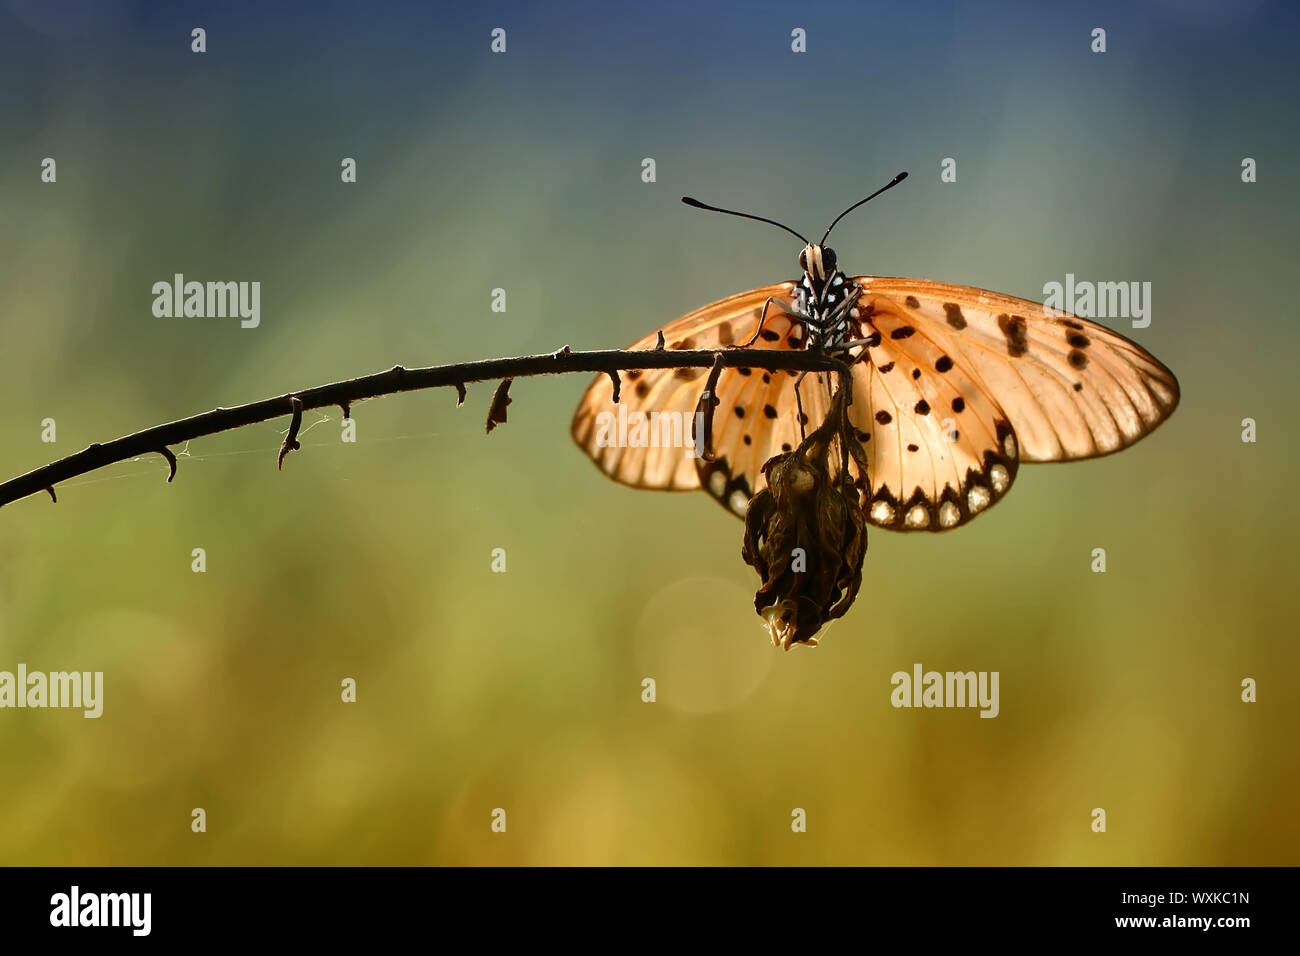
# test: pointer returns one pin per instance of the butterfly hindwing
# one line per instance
(939, 446)
(731, 321)
(755, 420)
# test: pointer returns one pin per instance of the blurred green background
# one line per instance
(523, 690)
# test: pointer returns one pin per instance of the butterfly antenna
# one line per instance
(889, 185)
(743, 215)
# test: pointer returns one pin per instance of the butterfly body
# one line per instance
(952, 388)
(825, 301)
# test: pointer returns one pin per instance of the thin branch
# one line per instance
(398, 379)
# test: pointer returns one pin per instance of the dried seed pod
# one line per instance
(806, 536)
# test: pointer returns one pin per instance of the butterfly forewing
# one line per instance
(1070, 388)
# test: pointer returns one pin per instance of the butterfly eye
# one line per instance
(828, 259)
(803, 260)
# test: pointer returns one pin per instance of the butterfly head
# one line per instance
(821, 275)
(817, 262)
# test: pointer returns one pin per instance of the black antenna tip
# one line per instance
(743, 215)
(889, 185)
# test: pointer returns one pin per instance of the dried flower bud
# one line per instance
(806, 536)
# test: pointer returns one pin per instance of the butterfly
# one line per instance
(953, 388)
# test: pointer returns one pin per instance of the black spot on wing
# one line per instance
(1016, 331)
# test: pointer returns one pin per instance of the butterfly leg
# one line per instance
(798, 401)
(758, 331)
(820, 328)
(853, 344)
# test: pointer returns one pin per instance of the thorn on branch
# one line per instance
(497, 411)
(618, 383)
(659, 346)
(291, 439)
(460, 394)
(171, 462)
(53, 496)
(346, 408)
(707, 403)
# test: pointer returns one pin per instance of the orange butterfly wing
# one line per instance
(962, 384)
(1071, 388)
(730, 321)
(956, 387)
